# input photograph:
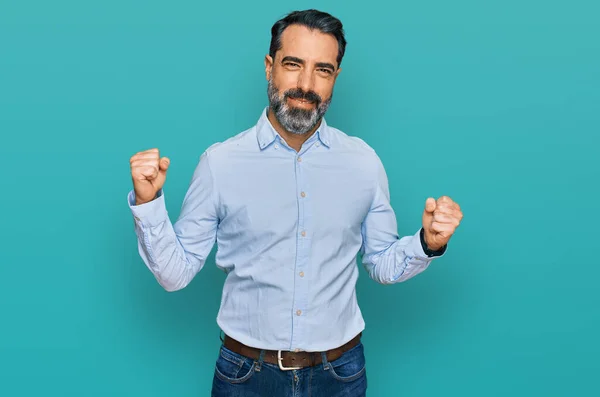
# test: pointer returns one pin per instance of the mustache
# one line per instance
(297, 93)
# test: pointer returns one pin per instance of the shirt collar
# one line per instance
(266, 134)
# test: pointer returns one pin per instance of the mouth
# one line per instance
(302, 102)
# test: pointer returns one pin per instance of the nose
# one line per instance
(306, 80)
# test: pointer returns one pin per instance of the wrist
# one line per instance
(140, 201)
(430, 250)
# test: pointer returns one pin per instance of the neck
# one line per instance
(295, 141)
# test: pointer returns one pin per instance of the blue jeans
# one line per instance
(239, 376)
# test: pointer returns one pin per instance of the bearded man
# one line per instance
(291, 202)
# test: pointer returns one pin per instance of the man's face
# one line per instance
(301, 78)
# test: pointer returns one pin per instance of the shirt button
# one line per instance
(299, 159)
(276, 146)
(303, 233)
(301, 274)
(298, 312)
(318, 144)
(303, 194)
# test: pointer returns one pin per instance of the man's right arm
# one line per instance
(176, 253)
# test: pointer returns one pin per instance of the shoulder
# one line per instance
(344, 142)
(348, 141)
(363, 155)
(226, 149)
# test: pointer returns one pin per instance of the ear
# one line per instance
(268, 66)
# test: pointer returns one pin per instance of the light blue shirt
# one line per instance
(288, 227)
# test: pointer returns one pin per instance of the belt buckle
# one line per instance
(280, 362)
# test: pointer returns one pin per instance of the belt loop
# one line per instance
(260, 361)
(324, 361)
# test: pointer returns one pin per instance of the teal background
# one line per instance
(495, 104)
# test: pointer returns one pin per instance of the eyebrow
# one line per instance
(326, 65)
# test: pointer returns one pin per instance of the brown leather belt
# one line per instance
(289, 360)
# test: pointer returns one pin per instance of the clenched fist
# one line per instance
(148, 172)
(441, 217)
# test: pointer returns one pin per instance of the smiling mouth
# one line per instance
(301, 101)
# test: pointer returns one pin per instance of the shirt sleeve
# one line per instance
(387, 257)
(175, 253)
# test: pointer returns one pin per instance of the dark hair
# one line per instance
(312, 19)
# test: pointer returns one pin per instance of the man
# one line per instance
(290, 203)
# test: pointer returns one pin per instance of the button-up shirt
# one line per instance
(289, 227)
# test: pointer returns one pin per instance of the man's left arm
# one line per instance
(390, 259)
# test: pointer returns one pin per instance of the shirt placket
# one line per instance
(303, 238)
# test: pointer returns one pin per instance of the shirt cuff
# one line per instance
(149, 214)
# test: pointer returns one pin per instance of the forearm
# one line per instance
(399, 262)
(164, 256)
(160, 247)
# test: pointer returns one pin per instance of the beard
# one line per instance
(296, 120)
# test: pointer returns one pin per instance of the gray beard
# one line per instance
(295, 120)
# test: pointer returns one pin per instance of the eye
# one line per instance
(291, 64)
(323, 70)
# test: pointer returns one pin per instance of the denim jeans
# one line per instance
(239, 376)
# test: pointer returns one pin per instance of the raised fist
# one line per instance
(149, 173)
(441, 217)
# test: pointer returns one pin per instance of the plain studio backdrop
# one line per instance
(496, 104)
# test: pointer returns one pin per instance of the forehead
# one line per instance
(309, 45)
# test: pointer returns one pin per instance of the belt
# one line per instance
(288, 360)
